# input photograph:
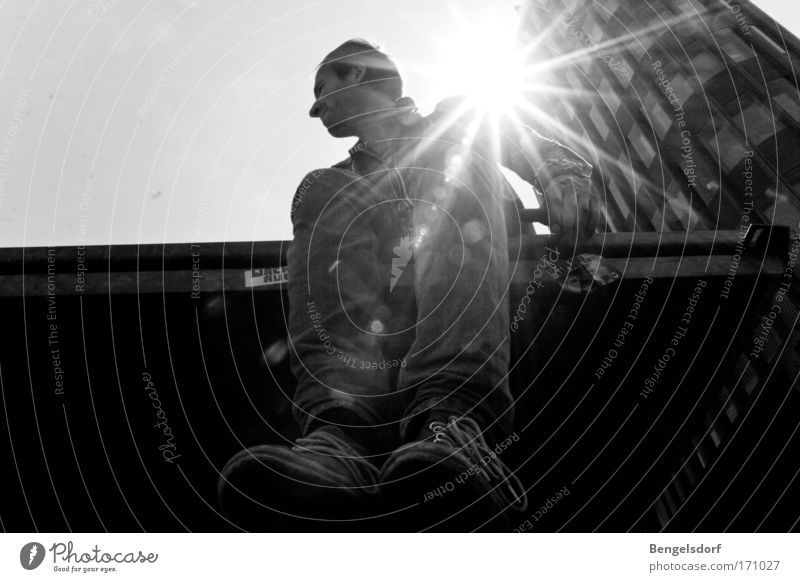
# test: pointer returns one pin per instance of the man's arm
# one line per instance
(563, 176)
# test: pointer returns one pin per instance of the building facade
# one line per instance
(689, 108)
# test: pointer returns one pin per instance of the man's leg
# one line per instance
(459, 360)
(344, 401)
(345, 330)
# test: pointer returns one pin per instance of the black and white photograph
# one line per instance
(444, 266)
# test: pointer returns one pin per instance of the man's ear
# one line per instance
(357, 72)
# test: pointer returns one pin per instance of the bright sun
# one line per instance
(483, 63)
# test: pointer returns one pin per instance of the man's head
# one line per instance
(354, 82)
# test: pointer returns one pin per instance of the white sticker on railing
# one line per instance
(261, 277)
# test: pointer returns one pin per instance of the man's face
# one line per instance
(340, 103)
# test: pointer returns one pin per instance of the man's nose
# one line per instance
(315, 109)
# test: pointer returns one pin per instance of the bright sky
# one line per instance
(183, 120)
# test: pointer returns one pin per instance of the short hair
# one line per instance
(381, 71)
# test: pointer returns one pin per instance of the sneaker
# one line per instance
(451, 480)
(323, 482)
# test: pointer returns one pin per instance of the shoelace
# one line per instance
(363, 473)
(465, 434)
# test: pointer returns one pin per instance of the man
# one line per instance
(398, 324)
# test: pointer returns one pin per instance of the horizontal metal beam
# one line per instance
(224, 255)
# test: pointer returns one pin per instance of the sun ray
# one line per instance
(623, 41)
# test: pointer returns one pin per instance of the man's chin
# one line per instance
(339, 131)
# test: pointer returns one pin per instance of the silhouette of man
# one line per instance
(398, 324)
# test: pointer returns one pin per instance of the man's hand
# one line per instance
(573, 212)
